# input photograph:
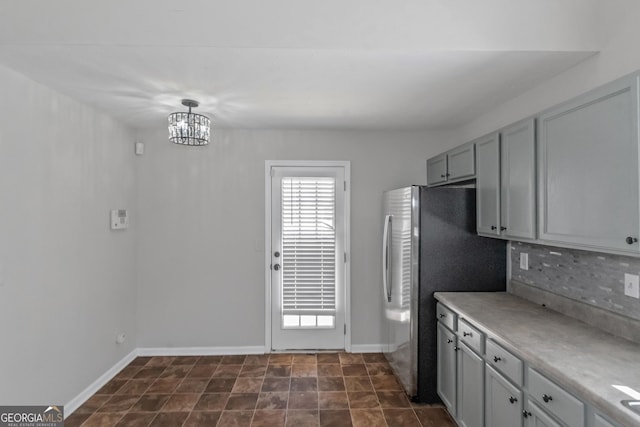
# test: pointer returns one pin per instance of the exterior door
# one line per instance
(308, 258)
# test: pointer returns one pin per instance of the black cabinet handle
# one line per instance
(547, 398)
(455, 348)
(526, 413)
(496, 359)
(449, 341)
(466, 334)
(442, 315)
(512, 400)
(503, 228)
(443, 176)
(631, 240)
(493, 227)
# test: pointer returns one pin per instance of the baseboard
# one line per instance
(366, 348)
(199, 351)
(77, 401)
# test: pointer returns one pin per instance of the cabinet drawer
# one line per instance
(446, 316)
(556, 400)
(471, 336)
(505, 362)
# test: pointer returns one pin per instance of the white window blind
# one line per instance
(308, 246)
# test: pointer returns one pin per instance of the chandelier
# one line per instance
(189, 128)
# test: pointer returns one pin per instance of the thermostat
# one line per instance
(119, 219)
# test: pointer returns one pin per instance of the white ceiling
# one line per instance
(346, 64)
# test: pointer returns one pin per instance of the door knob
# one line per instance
(631, 240)
(276, 267)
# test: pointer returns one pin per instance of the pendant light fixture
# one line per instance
(189, 128)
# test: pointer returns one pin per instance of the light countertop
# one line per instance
(584, 359)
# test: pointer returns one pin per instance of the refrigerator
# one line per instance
(429, 245)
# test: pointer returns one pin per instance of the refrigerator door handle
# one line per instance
(385, 258)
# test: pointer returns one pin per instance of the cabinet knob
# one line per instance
(547, 398)
(466, 334)
(512, 400)
(503, 228)
(493, 227)
(449, 341)
(496, 359)
(526, 413)
(455, 348)
(443, 176)
(631, 240)
(443, 315)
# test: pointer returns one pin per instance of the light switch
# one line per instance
(632, 285)
(524, 261)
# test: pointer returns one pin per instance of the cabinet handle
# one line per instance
(449, 341)
(512, 400)
(526, 413)
(455, 348)
(547, 398)
(496, 359)
(631, 240)
(466, 334)
(443, 315)
(443, 176)
(503, 228)
(448, 175)
(493, 227)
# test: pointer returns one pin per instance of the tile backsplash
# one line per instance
(592, 278)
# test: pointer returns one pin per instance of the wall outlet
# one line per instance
(632, 285)
(120, 338)
(524, 261)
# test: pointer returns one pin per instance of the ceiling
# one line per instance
(346, 64)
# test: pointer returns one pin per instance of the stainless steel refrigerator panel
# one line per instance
(400, 225)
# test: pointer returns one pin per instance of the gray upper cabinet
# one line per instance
(488, 184)
(588, 170)
(506, 183)
(437, 170)
(518, 181)
(461, 163)
(455, 165)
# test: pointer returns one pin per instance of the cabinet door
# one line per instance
(503, 401)
(599, 421)
(518, 195)
(447, 342)
(437, 170)
(470, 411)
(461, 162)
(536, 417)
(588, 170)
(488, 184)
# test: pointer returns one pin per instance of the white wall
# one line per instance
(619, 56)
(66, 281)
(201, 252)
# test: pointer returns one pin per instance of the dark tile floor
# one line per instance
(324, 389)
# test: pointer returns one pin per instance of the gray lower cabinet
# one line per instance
(599, 421)
(506, 183)
(588, 170)
(503, 401)
(446, 370)
(470, 409)
(536, 417)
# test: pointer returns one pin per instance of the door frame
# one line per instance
(269, 164)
